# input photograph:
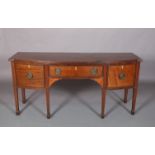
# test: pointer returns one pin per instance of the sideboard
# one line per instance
(34, 70)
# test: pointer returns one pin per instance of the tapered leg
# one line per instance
(134, 100)
(103, 102)
(125, 95)
(23, 95)
(15, 89)
(47, 102)
(16, 100)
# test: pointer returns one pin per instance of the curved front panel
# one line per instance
(29, 75)
(121, 75)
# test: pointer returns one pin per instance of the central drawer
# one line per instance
(75, 71)
(29, 75)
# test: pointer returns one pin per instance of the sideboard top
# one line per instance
(69, 58)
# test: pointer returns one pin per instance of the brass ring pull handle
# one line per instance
(29, 75)
(122, 76)
(94, 71)
(58, 71)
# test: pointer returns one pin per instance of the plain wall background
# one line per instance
(138, 41)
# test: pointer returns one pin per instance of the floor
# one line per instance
(76, 103)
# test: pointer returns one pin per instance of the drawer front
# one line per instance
(29, 75)
(76, 71)
(121, 75)
(89, 71)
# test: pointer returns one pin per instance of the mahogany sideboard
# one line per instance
(31, 70)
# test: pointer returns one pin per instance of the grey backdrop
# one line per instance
(139, 41)
(77, 103)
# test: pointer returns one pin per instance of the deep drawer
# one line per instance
(29, 75)
(121, 75)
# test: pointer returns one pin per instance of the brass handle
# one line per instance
(29, 75)
(122, 76)
(58, 71)
(94, 71)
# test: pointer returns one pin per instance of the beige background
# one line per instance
(139, 41)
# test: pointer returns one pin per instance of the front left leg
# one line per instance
(47, 102)
(16, 100)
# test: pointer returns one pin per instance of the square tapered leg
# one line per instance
(125, 95)
(23, 95)
(16, 100)
(103, 102)
(47, 102)
(134, 101)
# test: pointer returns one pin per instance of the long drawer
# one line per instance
(75, 71)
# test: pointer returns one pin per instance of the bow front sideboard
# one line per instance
(33, 70)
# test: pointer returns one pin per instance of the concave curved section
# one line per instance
(99, 81)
